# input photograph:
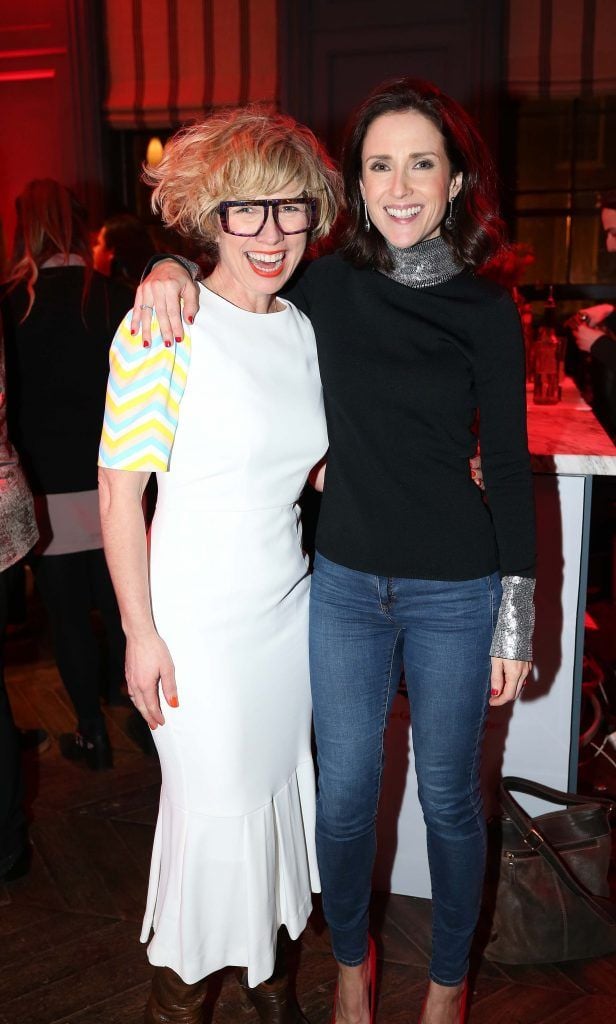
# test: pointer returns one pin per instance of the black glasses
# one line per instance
(247, 217)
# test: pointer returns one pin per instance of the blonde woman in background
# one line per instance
(59, 314)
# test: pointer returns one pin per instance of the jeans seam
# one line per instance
(483, 717)
(384, 720)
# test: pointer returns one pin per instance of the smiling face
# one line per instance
(406, 177)
(251, 270)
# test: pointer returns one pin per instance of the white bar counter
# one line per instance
(538, 736)
(567, 438)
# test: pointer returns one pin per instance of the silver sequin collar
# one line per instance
(424, 264)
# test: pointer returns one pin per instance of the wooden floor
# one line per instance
(69, 932)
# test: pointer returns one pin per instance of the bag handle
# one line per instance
(513, 783)
(534, 838)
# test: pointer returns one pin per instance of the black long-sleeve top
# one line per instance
(57, 364)
(404, 372)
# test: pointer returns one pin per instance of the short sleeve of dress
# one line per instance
(144, 391)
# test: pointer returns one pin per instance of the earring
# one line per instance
(450, 220)
(367, 224)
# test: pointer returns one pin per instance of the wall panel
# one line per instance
(334, 51)
(49, 100)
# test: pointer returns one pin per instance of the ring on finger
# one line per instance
(145, 306)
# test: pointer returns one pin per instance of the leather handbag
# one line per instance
(551, 901)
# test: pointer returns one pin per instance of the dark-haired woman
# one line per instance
(413, 569)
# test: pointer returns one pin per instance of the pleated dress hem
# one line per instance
(236, 880)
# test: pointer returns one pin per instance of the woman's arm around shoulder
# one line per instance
(167, 291)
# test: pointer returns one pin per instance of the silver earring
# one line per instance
(450, 221)
(366, 217)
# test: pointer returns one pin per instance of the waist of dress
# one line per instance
(190, 503)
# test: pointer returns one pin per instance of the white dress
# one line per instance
(234, 855)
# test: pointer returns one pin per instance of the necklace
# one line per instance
(423, 265)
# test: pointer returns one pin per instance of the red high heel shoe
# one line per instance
(462, 1017)
(371, 983)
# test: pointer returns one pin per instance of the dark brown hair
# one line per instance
(132, 246)
(478, 231)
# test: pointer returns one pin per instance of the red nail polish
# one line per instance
(495, 693)
(191, 319)
(174, 702)
(178, 340)
(146, 344)
(133, 331)
(167, 343)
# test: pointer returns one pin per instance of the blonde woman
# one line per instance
(217, 623)
(59, 314)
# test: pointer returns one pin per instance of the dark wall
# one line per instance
(334, 51)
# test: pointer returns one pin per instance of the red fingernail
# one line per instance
(133, 331)
(167, 343)
(495, 693)
(191, 319)
(174, 702)
(178, 340)
(146, 343)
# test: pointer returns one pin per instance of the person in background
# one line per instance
(59, 315)
(412, 568)
(594, 332)
(123, 245)
(18, 533)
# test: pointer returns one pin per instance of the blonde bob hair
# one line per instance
(240, 153)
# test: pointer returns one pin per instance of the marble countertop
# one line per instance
(567, 438)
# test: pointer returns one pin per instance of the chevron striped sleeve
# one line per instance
(144, 392)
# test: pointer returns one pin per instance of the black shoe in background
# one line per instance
(94, 749)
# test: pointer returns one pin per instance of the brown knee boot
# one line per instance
(273, 999)
(172, 1001)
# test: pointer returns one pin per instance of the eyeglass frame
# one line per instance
(267, 204)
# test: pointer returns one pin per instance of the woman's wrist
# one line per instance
(139, 632)
(513, 636)
(191, 268)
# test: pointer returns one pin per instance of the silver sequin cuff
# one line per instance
(513, 636)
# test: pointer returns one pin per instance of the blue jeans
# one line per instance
(363, 630)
